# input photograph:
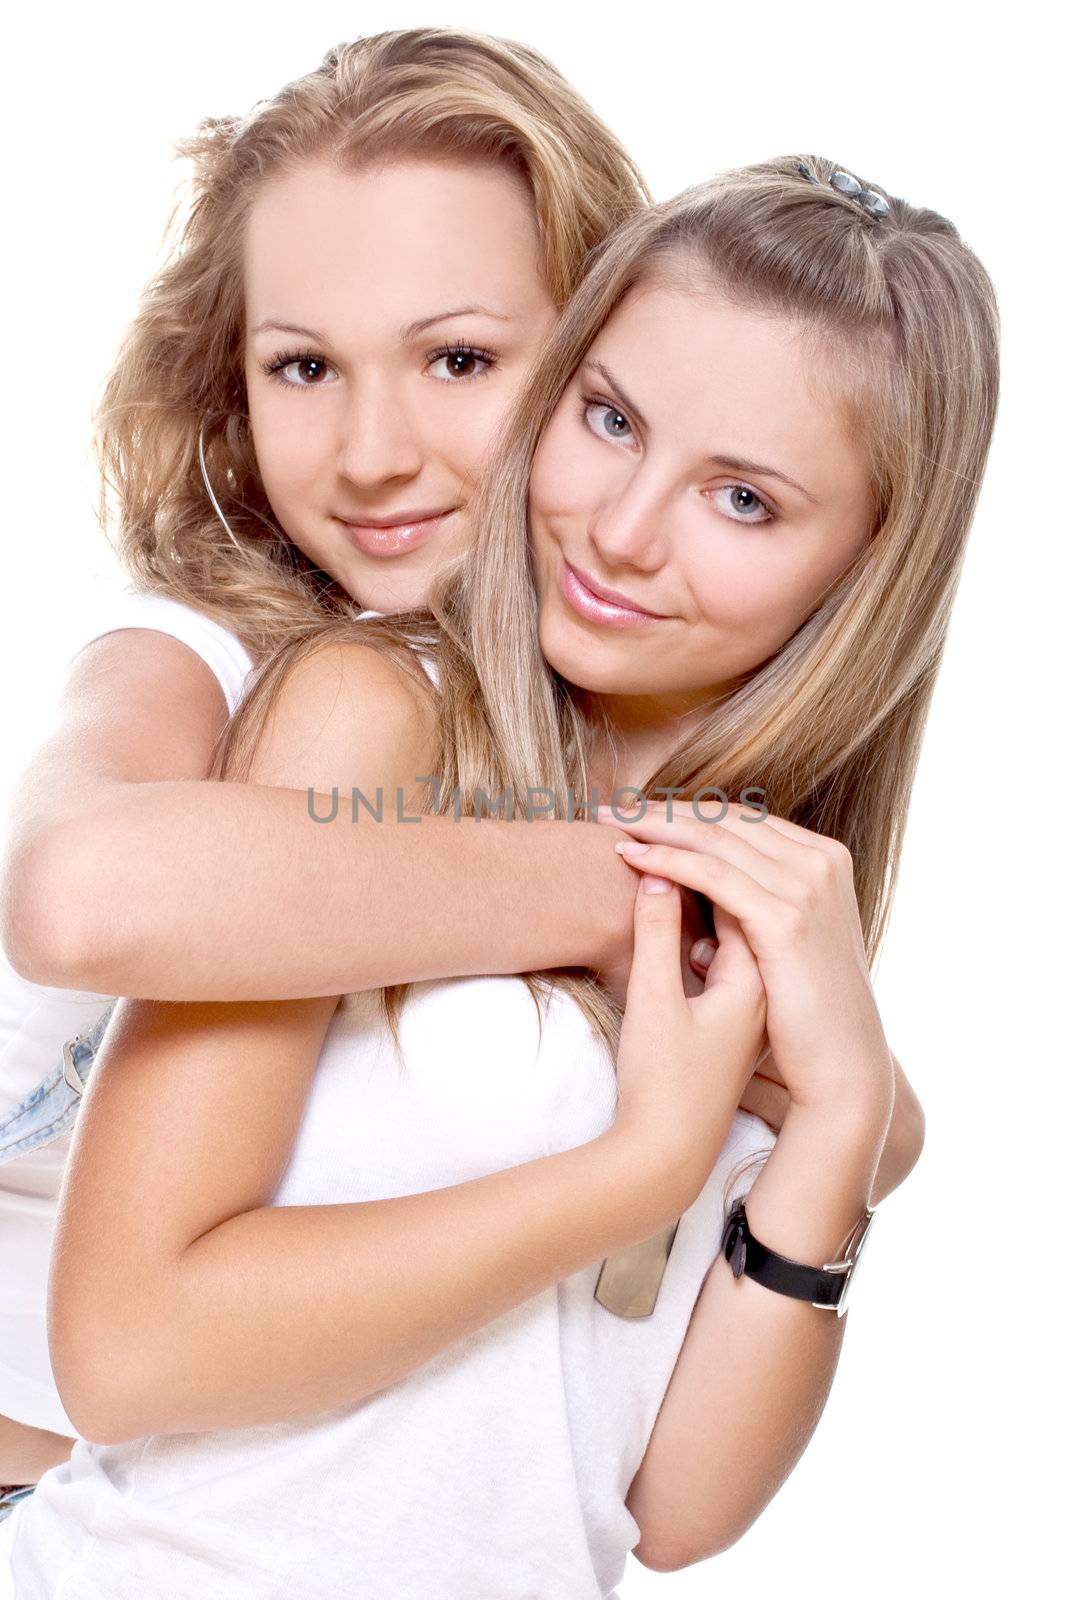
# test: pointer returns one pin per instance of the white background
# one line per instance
(934, 1467)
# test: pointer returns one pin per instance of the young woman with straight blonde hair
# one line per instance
(742, 476)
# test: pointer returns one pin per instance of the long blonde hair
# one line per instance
(418, 91)
(830, 727)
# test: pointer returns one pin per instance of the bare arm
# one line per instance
(200, 1305)
(144, 879)
(756, 1367)
(767, 1096)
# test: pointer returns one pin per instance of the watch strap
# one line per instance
(823, 1286)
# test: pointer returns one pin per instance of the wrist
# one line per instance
(612, 887)
(818, 1180)
(652, 1188)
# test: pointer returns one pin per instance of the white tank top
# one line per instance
(35, 1022)
(496, 1471)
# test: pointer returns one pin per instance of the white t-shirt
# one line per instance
(496, 1471)
(34, 1024)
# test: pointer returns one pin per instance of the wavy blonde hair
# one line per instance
(420, 91)
(830, 726)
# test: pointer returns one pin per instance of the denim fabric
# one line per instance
(9, 1498)
(49, 1110)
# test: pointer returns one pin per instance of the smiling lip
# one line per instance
(597, 604)
(397, 535)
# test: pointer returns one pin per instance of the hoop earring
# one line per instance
(207, 483)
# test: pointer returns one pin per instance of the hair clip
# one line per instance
(846, 184)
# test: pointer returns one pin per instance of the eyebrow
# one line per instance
(411, 331)
(753, 469)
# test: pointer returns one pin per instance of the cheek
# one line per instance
(745, 597)
(565, 472)
(290, 434)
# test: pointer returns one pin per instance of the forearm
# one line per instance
(283, 1311)
(26, 1453)
(223, 891)
(756, 1367)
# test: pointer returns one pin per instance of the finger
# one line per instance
(734, 963)
(780, 873)
(693, 828)
(767, 1067)
(767, 1100)
(728, 886)
(746, 816)
(655, 983)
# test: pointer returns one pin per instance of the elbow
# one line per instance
(655, 1560)
(103, 1371)
(674, 1558)
(678, 1548)
(54, 909)
(101, 1409)
(910, 1133)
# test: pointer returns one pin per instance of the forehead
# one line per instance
(320, 240)
(725, 378)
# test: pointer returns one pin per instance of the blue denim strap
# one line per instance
(50, 1108)
(10, 1497)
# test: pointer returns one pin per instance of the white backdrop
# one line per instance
(934, 1464)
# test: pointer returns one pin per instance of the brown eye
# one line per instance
(460, 362)
(298, 369)
(310, 371)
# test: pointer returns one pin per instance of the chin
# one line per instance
(404, 588)
(581, 661)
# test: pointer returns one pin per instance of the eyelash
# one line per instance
(287, 358)
(588, 400)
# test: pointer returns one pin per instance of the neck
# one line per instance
(642, 733)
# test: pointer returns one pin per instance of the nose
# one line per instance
(629, 529)
(379, 440)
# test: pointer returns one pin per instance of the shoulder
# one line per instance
(337, 712)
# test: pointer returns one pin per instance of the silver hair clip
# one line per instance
(846, 184)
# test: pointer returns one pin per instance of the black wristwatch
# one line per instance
(826, 1287)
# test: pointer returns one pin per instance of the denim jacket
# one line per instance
(49, 1110)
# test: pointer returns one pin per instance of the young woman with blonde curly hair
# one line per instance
(413, 177)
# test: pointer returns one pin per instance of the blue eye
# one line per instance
(743, 504)
(614, 420)
(459, 362)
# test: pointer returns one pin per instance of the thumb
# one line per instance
(733, 959)
(655, 975)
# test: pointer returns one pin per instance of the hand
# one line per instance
(792, 893)
(615, 975)
(683, 1060)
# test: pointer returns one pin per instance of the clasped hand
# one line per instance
(790, 892)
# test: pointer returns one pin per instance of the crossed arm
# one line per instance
(196, 1269)
(143, 879)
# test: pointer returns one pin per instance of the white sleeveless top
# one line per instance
(496, 1471)
(34, 1024)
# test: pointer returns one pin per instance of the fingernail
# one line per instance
(632, 847)
(703, 951)
(652, 885)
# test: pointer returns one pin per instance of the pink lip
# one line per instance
(597, 604)
(397, 535)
